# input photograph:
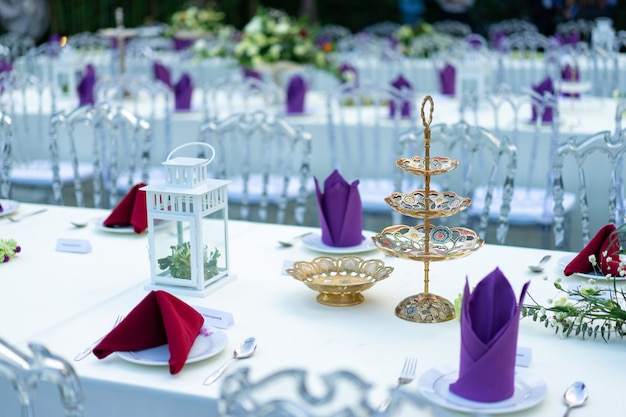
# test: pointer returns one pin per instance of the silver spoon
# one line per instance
(575, 396)
(244, 350)
(539, 266)
(290, 243)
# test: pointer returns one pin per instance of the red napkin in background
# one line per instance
(131, 211)
(158, 319)
(606, 240)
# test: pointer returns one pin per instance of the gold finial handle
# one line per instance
(430, 115)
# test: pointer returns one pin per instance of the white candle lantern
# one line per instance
(189, 255)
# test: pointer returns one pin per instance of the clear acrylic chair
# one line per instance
(6, 141)
(598, 165)
(113, 140)
(362, 136)
(268, 161)
(295, 393)
(149, 99)
(29, 102)
(26, 370)
(484, 160)
(236, 93)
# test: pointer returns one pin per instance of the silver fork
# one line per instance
(85, 352)
(407, 375)
(32, 213)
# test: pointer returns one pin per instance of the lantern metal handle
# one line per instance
(184, 145)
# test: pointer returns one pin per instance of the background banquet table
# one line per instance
(67, 300)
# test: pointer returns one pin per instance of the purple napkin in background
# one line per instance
(543, 87)
(296, 95)
(349, 74)
(182, 44)
(499, 42)
(54, 45)
(85, 87)
(250, 73)
(571, 38)
(162, 73)
(340, 212)
(401, 83)
(570, 73)
(183, 91)
(489, 327)
(447, 76)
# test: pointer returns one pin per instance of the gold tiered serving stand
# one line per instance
(427, 242)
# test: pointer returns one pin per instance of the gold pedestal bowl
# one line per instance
(340, 281)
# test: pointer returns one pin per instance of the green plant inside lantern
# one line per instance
(179, 262)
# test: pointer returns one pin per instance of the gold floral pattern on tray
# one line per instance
(440, 204)
(417, 165)
(409, 242)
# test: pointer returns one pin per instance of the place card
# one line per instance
(523, 356)
(216, 318)
(73, 245)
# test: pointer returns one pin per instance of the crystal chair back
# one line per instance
(6, 141)
(362, 136)
(268, 161)
(483, 159)
(599, 156)
(293, 392)
(115, 141)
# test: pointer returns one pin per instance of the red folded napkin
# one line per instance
(160, 318)
(605, 244)
(131, 211)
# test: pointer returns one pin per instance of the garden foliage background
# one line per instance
(73, 16)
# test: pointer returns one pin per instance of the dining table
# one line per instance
(66, 300)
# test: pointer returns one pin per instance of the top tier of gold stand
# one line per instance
(426, 242)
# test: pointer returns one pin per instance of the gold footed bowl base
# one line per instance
(340, 300)
(425, 308)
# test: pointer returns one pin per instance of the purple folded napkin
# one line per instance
(489, 326)
(340, 213)
(296, 95)
(54, 45)
(544, 86)
(5, 65)
(250, 73)
(182, 44)
(162, 73)
(571, 38)
(499, 41)
(183, 91)
(400, 84)
(349, 74)
(572, 74)
(85, 87)
(447, 76)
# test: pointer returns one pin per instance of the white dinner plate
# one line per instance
(530, 389)
(562, 263)
(209, 343)
(124, 229)
(8, 207)
(314, 242)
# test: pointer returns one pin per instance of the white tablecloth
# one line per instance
(67, 300)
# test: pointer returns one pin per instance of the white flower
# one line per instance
(592, 260)
(255, 25)
(282, 28)
(275, 51)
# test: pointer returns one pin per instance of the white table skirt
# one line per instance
(66, 301)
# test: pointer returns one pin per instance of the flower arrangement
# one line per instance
(272, 36)
(8, 249)
(221, 45)
(195, 20)
(179, 262)
(586, 310)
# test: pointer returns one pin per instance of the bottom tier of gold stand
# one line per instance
(425, 308)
